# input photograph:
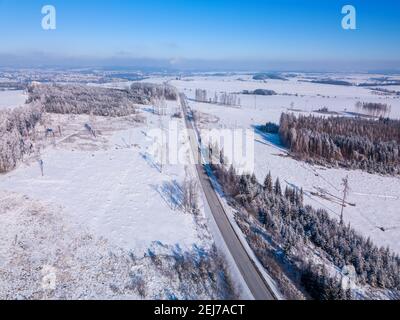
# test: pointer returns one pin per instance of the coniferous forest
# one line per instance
(354, 143)
(269, 214)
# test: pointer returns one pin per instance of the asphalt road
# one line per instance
(254, 280)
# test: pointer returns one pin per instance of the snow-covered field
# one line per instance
(113, 191)
(376, 212)
(12, 99)
(291, 94)
(104, 218)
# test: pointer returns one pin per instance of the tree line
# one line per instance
(222, 98)
(375, 109)
(148, 91)
(370, 145)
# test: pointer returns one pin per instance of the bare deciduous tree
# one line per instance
(190, 195)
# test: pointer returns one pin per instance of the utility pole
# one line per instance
(162, 144)
(345, 184)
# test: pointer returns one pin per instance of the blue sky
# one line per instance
(240, 31)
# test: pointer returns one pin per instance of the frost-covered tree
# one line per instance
(17, 134)
(268, 185)
(190, 195)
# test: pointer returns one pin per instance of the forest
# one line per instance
(279, 216)
(354, 143)
(82, 99)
